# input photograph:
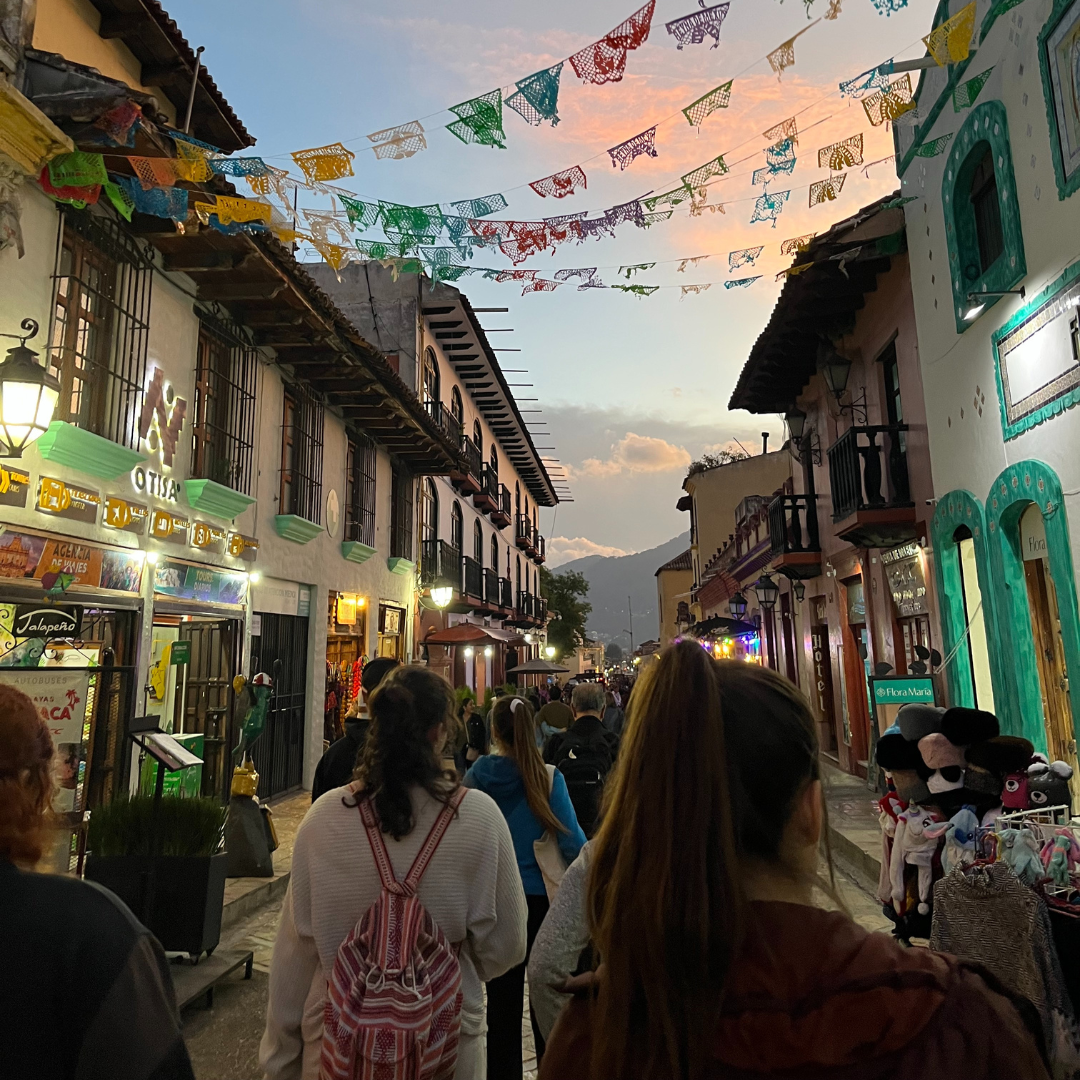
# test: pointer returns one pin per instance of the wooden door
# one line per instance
(204, 703)
(1050, 659)
(787, 621)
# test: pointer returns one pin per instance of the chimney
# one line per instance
(764, 442)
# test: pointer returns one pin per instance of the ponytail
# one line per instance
(398, 753)
(514, 727)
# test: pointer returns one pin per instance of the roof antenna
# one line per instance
(194, 82)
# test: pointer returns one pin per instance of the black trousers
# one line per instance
(505, 1005)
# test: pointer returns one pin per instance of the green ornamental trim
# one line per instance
(356, 552)
(1013, 491)
(956, 77)
(1065, 187)
(986, 123)
(1051, 408)
(295, 528)
(953, 510)
(397, 565)
(65, 444)
(213, 498)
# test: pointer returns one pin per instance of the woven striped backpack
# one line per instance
(393, 1004)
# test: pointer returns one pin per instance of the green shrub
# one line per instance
(182, 826)
(463, 694)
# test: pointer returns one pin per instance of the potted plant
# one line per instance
(166, 862)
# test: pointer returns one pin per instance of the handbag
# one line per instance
(546, 851)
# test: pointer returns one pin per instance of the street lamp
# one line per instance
(767, 591)
(796, 422)
(738, 606)
(487, 651)
(799, 589)
(977, 300)
(442, 596)
(549, 652)
(28, 395)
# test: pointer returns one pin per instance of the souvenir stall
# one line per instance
(346, 653)
(981, 856)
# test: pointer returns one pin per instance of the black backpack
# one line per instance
(584, 763)
(476, 733)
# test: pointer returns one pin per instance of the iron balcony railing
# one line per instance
(525, 604)
(440, 565)
(444, 420)
(868, 470)
(540, 546)
(489, 484)
(470, 454)
(541, 609)
(793, 524)
(523, 532)
(491, 588)
(504, 504)
(474, 578)
(506, 594)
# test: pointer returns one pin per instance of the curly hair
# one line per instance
(26, 785)
(398, 752)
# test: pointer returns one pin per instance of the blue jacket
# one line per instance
(500, 778)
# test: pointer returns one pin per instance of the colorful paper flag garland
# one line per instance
(692, 29)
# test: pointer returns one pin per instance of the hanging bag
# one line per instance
(546, 850)
(393, 1004)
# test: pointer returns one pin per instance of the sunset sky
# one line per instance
(632, 388)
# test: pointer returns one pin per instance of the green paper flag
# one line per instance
(124, 203)
(934, 147)
(480, 120)
(719, 98)
(361, 214)
(965, 94)
(716, 167)
(77, 170)
(669, 198)
(637, 290)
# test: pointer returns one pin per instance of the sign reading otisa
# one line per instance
(160, 423)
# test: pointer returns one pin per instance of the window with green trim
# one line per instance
(982, 215)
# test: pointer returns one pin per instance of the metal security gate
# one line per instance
(281, 651)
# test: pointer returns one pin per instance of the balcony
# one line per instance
(541, 548)
(440, 565)
(871, 494)
(523, 533)
(506, 595)
(793, 530)
(465, 475)
(524, 613)
(486, 500)
(474, 581)
(492, 595)
(500, 515)
(444, 420)
(541, 610)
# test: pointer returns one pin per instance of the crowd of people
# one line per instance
(652, 868)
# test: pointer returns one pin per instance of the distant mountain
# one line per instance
(613, 578)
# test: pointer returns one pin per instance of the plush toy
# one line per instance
(1048, 784)
(947, 761)
(889, 808)
(959, 833)
(1019, 849)
(913, 847)
(1059, 857)
(991, 765)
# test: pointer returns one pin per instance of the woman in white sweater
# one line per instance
(472, 888)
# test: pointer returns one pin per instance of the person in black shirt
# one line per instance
(85, 990)
(336, 766)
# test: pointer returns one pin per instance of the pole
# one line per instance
(630, 608)
(194, 83)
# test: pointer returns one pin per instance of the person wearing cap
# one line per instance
(335, 768)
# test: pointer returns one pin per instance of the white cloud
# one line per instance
(635, 454)
(562, 549)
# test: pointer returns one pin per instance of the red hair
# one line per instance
(26, 753)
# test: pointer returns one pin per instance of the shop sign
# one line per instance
(14, 484)
(907, 582)
(1033, 535)
(170, 528)
(389, 620)
(206, 583)
(45, 622)
(243, 547)
(162, 417)
(303, 602)
(209, 538)
(903, 690)
(180, 653)
(23, 555)
(346, 610)
(148, 482)
(276, 597)
(67, 500)
(60, 696)
(125, 516)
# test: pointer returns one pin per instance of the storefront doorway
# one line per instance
(1049, 647)
(280, 649)
(975, 620)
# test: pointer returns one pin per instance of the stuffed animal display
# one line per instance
(1020, 849)
(1059, 858)
(959, 832)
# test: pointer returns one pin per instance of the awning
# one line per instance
(470, 634)
(726, 627)
(538, 667)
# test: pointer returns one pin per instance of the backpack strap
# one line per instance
(434, 838)
(378, 846)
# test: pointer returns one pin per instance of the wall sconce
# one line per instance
(442, 596)
(738, 605)
(767, 591)
(977, 300)
(799, 589)
(28, 395)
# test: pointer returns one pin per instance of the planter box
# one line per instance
(178, 899)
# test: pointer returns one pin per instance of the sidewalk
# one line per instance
(854, 833)
(244, 896)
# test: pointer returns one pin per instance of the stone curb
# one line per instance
(242, 907)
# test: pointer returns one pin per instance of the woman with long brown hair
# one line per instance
(84, 987)
(534, 801)
(714, 961)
